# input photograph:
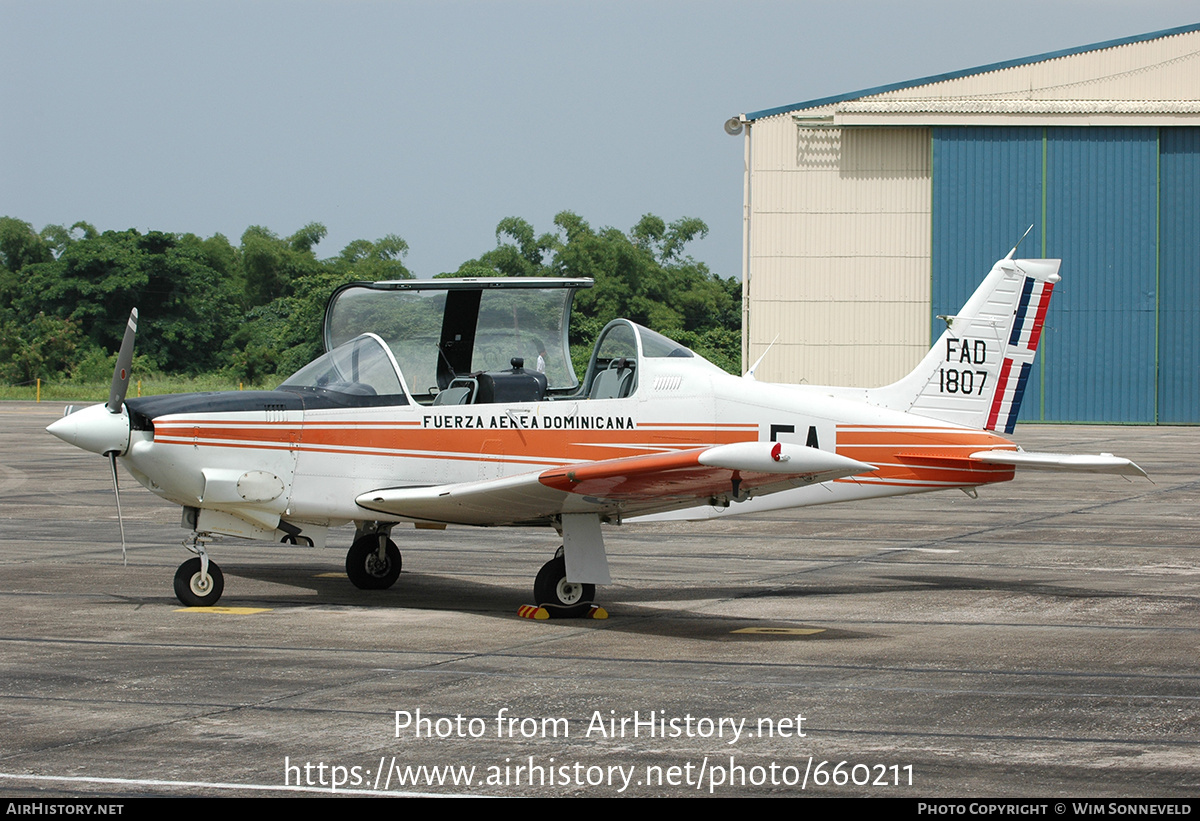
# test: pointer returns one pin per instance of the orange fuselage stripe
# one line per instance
(555, 445)
(902, 454)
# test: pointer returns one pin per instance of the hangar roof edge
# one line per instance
(966, 72)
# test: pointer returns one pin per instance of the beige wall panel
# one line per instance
(782, 145)
(774, 145)
(839, 235)
(843, 366)
(844, 279)
(882, 154)
(839, 252)
(823, 339)
(874, 171)
(845, 323)
(824, 192)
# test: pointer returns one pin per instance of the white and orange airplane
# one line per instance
(423, 411)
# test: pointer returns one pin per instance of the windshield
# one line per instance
(655, 345)
(360, 372)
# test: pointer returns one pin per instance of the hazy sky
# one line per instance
(434, 120)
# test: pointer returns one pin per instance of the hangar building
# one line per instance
(868, 214)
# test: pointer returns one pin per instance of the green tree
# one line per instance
(44, 347)
(20, 245)
(643, 275)
(187, 307)
(373, 261)
(256, 310)
(518, 253)
(271, 264)
(59, 237)
(282, 334)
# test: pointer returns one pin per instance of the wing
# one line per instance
(627, 486)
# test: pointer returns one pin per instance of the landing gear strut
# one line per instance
(561, 597)
(373, 562)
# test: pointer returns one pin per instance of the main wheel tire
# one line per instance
(364, 567)
(561, 597)
(193, 589)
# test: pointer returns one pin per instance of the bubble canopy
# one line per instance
(440, 329)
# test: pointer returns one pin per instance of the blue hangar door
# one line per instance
(1121, 207)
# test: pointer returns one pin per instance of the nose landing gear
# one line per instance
(199, 582)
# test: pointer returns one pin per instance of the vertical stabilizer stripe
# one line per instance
(1026, 291)
(998, 399)
(1036, 334)
(1018, 395)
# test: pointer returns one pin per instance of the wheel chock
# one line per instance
(531, 611)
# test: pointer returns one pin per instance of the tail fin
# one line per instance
(976, 373)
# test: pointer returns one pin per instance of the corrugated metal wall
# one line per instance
(987, 190)
(1179, 277)
(839, 250)
(1094, 197)
(1101, 219)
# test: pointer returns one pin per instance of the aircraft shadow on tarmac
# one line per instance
(432, 592)
(437, 593)
(634, 609)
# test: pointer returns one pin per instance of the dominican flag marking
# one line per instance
(1031, 314)
(1010, 390)
(1018, 362)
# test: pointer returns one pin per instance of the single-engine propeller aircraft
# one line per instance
(423, 411)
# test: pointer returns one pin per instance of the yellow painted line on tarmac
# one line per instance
(226, 611)
(781, 631)
(330, 576)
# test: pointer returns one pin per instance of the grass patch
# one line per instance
(152, 385)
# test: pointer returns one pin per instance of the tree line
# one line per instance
(253, 311)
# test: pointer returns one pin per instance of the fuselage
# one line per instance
(281, 457)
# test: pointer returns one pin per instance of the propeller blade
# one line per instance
(120, 380)
(112, 461)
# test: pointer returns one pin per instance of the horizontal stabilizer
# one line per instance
(1082, 463)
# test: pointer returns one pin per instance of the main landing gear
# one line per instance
(560, 597)
(373, 561)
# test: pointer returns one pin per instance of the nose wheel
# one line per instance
(195, 588)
